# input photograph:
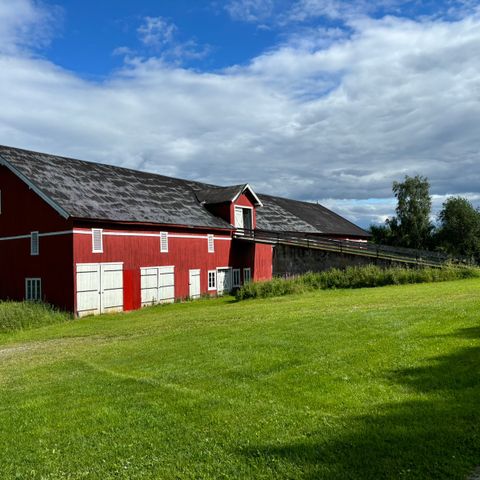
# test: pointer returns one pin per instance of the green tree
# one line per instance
(412, 226)
(459, 230)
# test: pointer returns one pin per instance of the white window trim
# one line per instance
(38, 292)
(211, 243)
(249, 270)
(93, 240)
(34, 242)
(214, 272)
(237, 271)
(163, 242)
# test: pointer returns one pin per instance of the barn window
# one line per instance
(247, 275)
(211, 244)
(97, 240)
(164, 242)
(33, 289)
(236, 277)
(34, 244)
(212, 279)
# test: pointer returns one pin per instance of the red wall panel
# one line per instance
(23, 211)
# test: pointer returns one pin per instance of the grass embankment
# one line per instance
(338, 384)
(24, 315)
(354, 277)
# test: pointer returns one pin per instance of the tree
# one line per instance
(459, 230)
(412, 226)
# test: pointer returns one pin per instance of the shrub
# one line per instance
(25, 315)
(354, 277)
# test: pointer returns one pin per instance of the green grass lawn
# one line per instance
(347, 384)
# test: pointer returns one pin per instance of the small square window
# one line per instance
(34, 244)
(247, 275)
(211, 244)
(212, 279)
(164, 242)
(236, 277)
(97, 240)
(33, 289)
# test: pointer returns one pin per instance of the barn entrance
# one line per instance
(99, 288)
(157, 285)
(224, 280)
(194, 283)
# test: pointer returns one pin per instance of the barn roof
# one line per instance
(87, 190)
(214, 194)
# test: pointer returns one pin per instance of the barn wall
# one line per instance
(290, 260)
(263, 262)
(184, 254)
(23, 212)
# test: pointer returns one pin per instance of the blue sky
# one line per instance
(320, 100)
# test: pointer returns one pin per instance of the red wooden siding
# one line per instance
(23, 211)
(144, 251)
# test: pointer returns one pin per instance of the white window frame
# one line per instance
(242, 208)
(213, 274)
(236, 277)
(34, 294)
(34, 244)
(211, 243)
(245, 279)
(163, 242)
(99, 231)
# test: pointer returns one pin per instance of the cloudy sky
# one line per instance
(320, 100)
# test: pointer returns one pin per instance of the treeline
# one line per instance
(456, 232)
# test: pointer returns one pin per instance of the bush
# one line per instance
(354, 277)
(24, 315)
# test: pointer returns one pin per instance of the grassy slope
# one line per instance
(360, 384)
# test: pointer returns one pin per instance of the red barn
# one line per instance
(92, 238)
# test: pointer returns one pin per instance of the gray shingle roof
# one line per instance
(104, 192)
(212, 195)
(96, 191)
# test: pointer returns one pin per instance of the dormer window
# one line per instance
(243, 218)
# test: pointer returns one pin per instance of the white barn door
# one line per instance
(99, 288)
(157, 285)
(149, 286)
(224, 280)
(194, 283)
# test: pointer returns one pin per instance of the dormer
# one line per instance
(236, 204)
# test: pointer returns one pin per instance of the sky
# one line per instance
(326, 101)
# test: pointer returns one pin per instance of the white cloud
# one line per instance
(250, 10)
(309, 120)
(25, 23)
(156, 31)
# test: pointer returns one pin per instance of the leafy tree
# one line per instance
(412, 226)
(459, 230)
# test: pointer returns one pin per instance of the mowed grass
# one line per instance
(347, 384)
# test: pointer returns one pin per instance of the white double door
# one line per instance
(194, 283)
(224, 280)
(99, 288)
(157, 285)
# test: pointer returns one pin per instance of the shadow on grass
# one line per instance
(436, 436)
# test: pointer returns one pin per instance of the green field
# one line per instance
(346, 384)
